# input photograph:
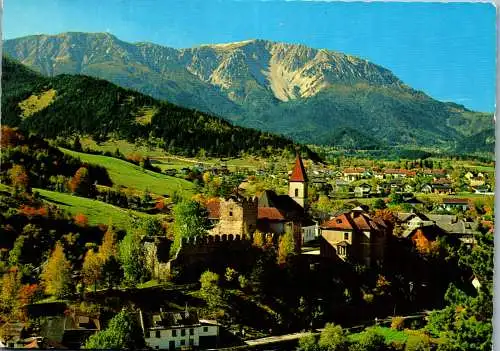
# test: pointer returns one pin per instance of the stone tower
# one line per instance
(297, 184)
(238, 215)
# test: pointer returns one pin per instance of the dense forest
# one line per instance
(67, 105)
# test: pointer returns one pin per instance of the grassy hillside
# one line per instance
(132, 176)
(96, 211)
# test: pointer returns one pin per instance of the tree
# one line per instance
(133, 258)
(91, 270)
(210, 290)
(379, 204)
(152, 227)
(286, 247)
(258, 239)
(108, 246)
(190, 220)
(112, 272)
(308, 343)
(19, 178)
(122, 333)
(80, 184)
(333, 338)
(371, 340)
(56, 275)
(11, 283)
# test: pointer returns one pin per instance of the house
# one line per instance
(424, 236)
(353, 174)
(362, 190)
(178, 330)
(354, 235)
(398, 173)
(310, 231)
(462, 230)
(450, 204)
(443, 189)
(436, 173)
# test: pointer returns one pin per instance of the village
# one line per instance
(359, 234)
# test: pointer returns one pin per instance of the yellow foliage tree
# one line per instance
(258, 239)
(286, 247)
(56, 275)
(91, 270)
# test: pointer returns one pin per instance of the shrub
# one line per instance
(397, 323)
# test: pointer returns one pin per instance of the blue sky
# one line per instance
(445, 49)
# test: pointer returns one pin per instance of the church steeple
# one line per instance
(297, 184)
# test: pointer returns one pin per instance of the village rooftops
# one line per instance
(400, 171)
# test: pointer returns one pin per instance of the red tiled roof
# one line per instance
(339, 222)
(299, 172)
(270, 213)
(354, 220)
(213, 207)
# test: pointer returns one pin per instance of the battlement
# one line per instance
(211, 239)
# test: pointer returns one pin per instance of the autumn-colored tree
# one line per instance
(80, 183)
(19, 178)
(10, 137)
(27, 293)
(91, 269)
(109, 246)
(286, 247)
(11, 283)
(56, 275)
(258, 239)
(81, 220)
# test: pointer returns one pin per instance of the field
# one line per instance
(97, 212)
(134, 177)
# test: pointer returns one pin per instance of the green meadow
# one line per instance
(132, 176)
(96, 211)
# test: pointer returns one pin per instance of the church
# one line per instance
(269, 213)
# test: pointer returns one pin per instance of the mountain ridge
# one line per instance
(261, 84)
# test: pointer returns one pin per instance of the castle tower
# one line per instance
(297, 184)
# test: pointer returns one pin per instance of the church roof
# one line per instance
(299, 172)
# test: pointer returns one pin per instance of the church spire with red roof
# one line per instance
(297, 184)
(299, 172)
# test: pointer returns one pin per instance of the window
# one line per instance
(191, 342)
(339, 221)
(183, 332)
(205, 329)
(296, 192)
(341, 250)
(158, 334)
(183, 342)
(157, 347)
(174, 333)
(191, 331)
(346, 236)
(230, 213)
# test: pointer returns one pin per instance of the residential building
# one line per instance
(354, 235)
(451, 204)
(353, 174)
(178, 330)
